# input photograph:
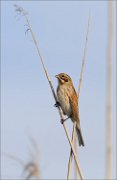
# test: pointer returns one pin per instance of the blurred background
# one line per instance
(26, 101)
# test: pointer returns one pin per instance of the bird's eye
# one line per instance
(63, 76)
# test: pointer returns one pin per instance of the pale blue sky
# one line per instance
(27, 103)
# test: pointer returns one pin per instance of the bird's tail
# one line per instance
(79, 134)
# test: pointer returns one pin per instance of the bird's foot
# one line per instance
(63, 120)
(57, 104)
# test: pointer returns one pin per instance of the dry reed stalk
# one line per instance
(70, 158)
(76, 174)
(109, 94)
(22, 12)
(79, 88)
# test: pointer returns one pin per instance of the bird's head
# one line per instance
(63, 78)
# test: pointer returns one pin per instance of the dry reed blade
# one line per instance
(31, 168)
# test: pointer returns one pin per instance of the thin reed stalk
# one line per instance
(109, 94)
(79, 89)
(22, 11)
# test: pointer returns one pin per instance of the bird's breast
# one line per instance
(63, 99)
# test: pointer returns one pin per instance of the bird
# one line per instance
(67, 99)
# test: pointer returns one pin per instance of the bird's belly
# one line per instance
(63, 99)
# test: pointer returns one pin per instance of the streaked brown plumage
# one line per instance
(68, 100)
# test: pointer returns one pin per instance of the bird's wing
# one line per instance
(74, 104)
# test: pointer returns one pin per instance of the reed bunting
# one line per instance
(67, 99)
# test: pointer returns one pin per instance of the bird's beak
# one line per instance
(57, 76)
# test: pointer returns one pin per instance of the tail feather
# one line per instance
(80, 138)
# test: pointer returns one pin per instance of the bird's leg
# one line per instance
(63, 120)
(57, 104)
